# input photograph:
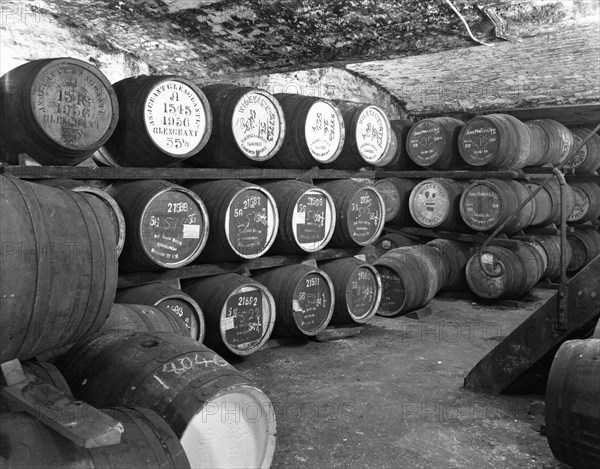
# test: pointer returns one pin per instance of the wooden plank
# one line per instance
(420, 313)
(476, 238)
(457, 174)
(338, 332)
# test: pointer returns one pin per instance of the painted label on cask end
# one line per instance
(426, 142)
(250, 222)
(242, 322)
(372, 134)
(361, 293)
(479, 142)
(312, 220)
(172, 227)
(175, 117)
(582, 204)
(312, 302)
(581, 156)
(183, 310)
(482, 207)
(393, 294)
(323, 131)
(366, 216)
(71, 105)
(256, 125)
(430, 205)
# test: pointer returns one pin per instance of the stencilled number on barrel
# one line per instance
(182, 364)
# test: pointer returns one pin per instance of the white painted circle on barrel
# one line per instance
(175, 117)
(324, 131)
(372, 134)
(313, 220)
(429, 204)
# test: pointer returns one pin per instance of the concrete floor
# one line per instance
(392, 397)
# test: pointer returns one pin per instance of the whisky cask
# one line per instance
(435, 203)
(433, 143)
(587, 202)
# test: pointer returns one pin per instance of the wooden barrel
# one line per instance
(239, 312)
(455, 255)
(360, 212)
(518, 270)
(585, 245)
(396, 193)
(587, 159)
(144, 318)
(58, 274)
(244, 219)
(587, 202)
(202, 398)
(397, 158)
(410, 277)
(547, 202)
(117, 218)
(551, 245)
(304, 298)
(146, 442)
(432, 143)
(496, 141)
(572, 406)
(368, 136)
(552, 142)
(167, 225)
(435, 203)
(306, 216)
(357, 287)
(248, 127)
(159, 294)
(58, 111)
(394, 240)
(315, 132)
(486, 204)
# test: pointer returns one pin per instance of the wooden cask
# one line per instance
(307, 216)
(368, 136)
(146, 442)
(455, 255)
(163, 121)
(486, 204)
(360, 213)
(239, 312)
(117, 218)
(159, 294)
(143, 318)
(304, 298)
(515, 271)
(433, 143)
(585, 245)
(394, 240)
(496, 141)
(248, 127)
(551, 245)
(397, 158)
(435, 203)
(587, 159)
(58, 274)
(314, 135)
(547, 202)
(244, 219)
(572, 406)
(58, 111)
(357, 287)
(395, 193)
(587, 202)
(552, 142)
(167, 224)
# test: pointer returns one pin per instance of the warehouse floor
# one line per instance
(392, 396)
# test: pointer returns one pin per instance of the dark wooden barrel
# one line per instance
(551, 142)
(357, 287)
(304, 298)
(202, 398)
(163, 121)
(239, 312)
(394, 240)
(455, 255)
(368, 136)
(244, 219)
(587, 159)
(143, 318)
(397, 158)
(167, 225)
(58, 274)
(486, 204)
(432, 143)
(360, 213)
(410, 277)
(435, 203)
(248, 127)
(306, 216)
(572, 405)
(314, 135)
(58, 111)
(496, 141)
(587, 202)
(551, 245)
(396, 193)
(118, 221)
(146, 442)
(159, 294)
(585, 245)
(547, 202)
(519, 270)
